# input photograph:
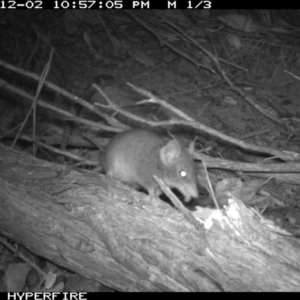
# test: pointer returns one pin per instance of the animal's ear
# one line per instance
(169, 152)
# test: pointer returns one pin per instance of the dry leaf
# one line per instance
(239, 22)
(234, 41)
(15, 276)
(142, 58)
(232, 185)
(76, 283)
(88, 40)
(58, 288)
(244, 191)
(50, 279)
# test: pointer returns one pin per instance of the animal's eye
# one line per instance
(182, 174)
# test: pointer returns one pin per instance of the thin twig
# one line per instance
(60, 111)
(110, 120)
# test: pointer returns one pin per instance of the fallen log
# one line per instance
(106, 231)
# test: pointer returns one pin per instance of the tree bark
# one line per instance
(106, 231)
